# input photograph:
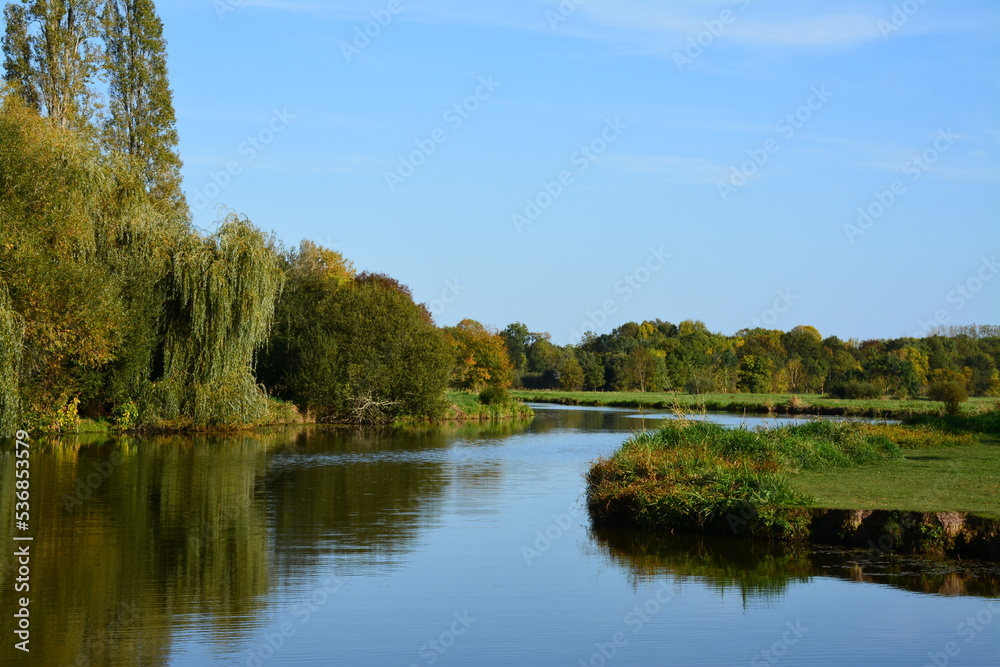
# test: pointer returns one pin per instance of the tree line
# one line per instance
(687, 357)
(113, 306)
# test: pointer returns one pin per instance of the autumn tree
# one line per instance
(480, 357)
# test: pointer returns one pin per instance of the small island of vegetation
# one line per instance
(928, 485)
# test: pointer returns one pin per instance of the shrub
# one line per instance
(126, 416)
(494, 396)
(949, 393)
(854, 389)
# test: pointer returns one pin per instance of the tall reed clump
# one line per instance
(697, 476)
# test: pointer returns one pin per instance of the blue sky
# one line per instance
(577, 166)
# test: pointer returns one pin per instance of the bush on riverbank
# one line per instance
(697, 476)
(467, 406)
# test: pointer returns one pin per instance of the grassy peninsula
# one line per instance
(770, 483)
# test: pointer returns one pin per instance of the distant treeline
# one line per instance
(687, 357)
(113, 306)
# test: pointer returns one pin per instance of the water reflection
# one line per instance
(147, 547)
(765, 571)
(135, 538)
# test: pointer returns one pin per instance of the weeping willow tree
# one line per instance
(11, 341)
(220, 305)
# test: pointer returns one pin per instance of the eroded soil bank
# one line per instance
(956, 534)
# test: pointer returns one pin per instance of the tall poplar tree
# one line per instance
(51, 57)
(141, 120)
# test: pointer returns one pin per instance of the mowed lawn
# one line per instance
(951, 478)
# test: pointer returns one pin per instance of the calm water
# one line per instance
(455, 546)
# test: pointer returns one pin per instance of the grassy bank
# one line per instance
(462, 407)
(702, 477)
(755, 403)
(466, 406)
(961, 478)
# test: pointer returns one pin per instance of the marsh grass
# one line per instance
(693, 475)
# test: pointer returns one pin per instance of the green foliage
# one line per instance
(221, 295)
(753, 374)
(83, 275)
(952, 394)
(354, 349)
(494, 396)
(67, 418)
(517, 338)
(11, 345)
(126, 416)
(141, 122)
(52, 57)
(593, 370)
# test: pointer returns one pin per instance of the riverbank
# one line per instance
(792, 404)
(698, 477)
(462, 407)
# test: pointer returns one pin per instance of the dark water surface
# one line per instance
(453, 546)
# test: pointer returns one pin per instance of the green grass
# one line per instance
(699, 476)
(796, 403)
(963, 478)
(466, 406)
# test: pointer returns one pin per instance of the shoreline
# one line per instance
(949, 534)
(700, 478)
(786, 405)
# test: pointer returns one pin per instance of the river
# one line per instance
(458, 545)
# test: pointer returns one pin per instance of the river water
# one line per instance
(452, 545)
